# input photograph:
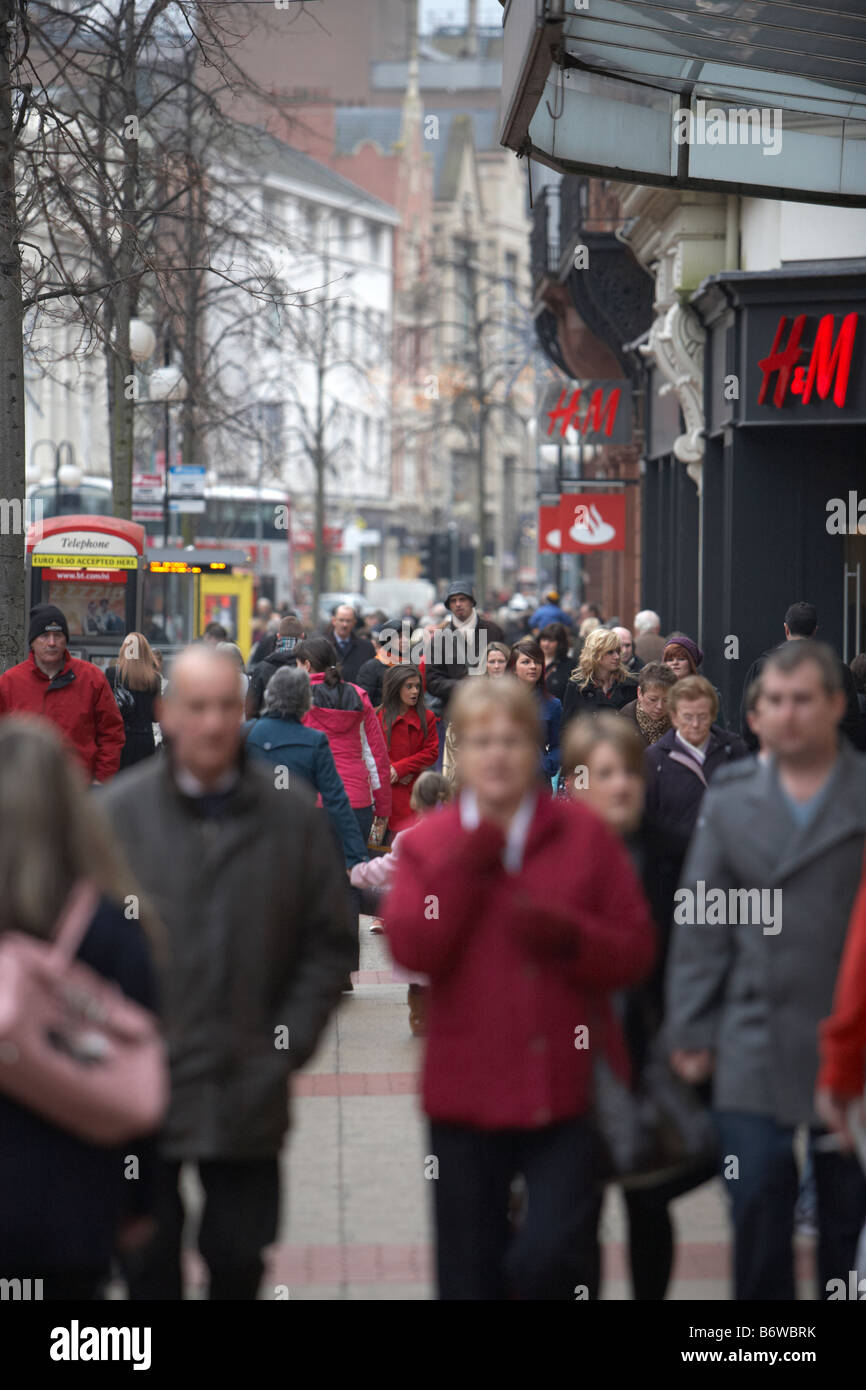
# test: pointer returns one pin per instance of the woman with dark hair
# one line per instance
(600, 680)
(279, 738)
(610, 755)
(558, 665)
(137, 685)
(344, 714)
(411, 738)
(526, 662)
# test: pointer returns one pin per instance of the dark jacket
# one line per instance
(657, 857)
(852, 725)
(557, 676)
(260, 676)
(138, 723)
(370, 678)
(453, 651)
(676, 782)
(61, 1198)
(359, 650)
(253, 899)
(591, 699)
(262, 649)
(306, 753)
(550, 710)
(756, 998)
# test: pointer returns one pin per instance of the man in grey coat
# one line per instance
(759, 926)
(252, 896)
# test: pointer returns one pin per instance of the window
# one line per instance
(374, 235)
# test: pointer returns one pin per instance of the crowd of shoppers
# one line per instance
(589, 885)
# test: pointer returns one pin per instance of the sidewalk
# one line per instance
(357, 1223)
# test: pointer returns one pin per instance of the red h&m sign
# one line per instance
(581, 522)
(599, 410)
(829, 363)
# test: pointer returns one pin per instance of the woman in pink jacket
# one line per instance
(343, 713)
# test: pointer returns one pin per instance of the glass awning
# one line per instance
(753, 96)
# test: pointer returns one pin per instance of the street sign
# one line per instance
(145, 513)
(186, 481)
(186, 504)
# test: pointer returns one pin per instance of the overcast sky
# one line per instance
(454, 12)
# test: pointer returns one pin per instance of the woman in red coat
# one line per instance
(525, 913)
(842, 1074)
(411, 736)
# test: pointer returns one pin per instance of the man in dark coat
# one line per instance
(289, 635)
(801, 623)
(252, 897)
(352, 649)
(683, 761)
(747, 989)
(461, 644)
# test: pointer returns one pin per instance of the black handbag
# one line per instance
(658, 1130)
(124, 698)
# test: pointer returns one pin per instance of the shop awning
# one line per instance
(751, 96)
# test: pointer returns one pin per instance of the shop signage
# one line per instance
(801, 372)
(581, 522)
(599, 411)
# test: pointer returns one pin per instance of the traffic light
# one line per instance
(433, 556)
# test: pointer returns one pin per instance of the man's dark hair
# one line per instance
(801, 619)
(593, 611)
(290, 627)
(655, 673)
(793, 655)
(216, 630)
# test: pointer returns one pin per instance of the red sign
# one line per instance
(583, 522)
(827, 360)
(100, 576)
(600, 416)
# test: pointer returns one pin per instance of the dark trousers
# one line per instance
(364, 817)
(554, 1254)
(239, 1218)
(763, 1198)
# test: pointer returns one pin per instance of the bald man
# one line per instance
(252, 895)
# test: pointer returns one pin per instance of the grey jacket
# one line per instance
(753, 994)
(255, 909)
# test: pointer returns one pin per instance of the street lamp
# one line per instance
(167, 384)
(64, 474)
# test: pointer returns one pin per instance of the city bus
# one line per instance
(228, 522)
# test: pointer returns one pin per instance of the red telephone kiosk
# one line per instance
(92, 568)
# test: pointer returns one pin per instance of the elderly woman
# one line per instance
(524, 913)
(281, 739)
(648, 712)
(600, 681)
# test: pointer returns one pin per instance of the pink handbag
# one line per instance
(73, 1048)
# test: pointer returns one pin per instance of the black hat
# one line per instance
(460, 586)
(44, 616)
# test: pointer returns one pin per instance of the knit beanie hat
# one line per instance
(45, 615)
(687, 645)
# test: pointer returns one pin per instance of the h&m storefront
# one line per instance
(785, 461)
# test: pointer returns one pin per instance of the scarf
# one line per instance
(652, 729)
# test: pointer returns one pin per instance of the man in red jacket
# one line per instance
(73, 694)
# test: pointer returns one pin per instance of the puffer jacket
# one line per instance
(343, 712)
(78, 701)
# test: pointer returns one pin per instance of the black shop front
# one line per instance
(785, 461)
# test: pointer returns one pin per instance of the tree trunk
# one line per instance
(12, 461)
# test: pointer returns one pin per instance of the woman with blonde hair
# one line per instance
(137, 685)
(64, 1203)
(600, 681)
(525, 914)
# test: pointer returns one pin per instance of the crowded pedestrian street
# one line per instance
(432, 681)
